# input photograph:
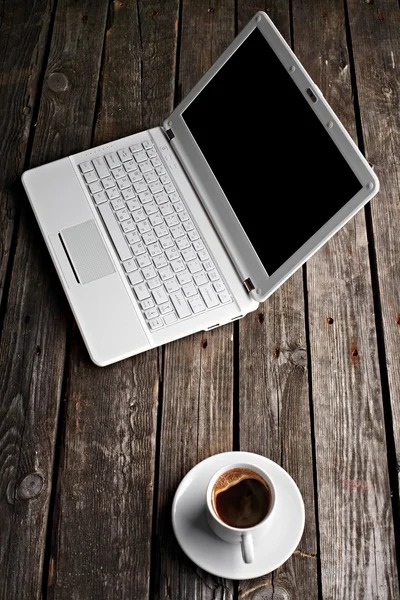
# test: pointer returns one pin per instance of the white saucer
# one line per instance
(214, 555)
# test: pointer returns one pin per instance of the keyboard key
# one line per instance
(194, 266)
(133, 204)
(178, 265)
(197, 304)
(160, 261)
(165, 308)
(141, 291)
(209, 296)
(149, 237)
(166, 242)
(183, 215)
(140, 186)
(188, 254)
(224, 297)
(145, 197)
(95, 187)
(179, 206)
(160, 170)
(112, 160)
(208, 265)
(138, 215)
(150, 177)
(169, 188)
(172, 220)
(140, 157)
(113, 193)
(189, 290)
(218, 286)
(184, 277)
(100, 197)
(171, 285)
(135, 277)
(154, 249)
(90, 176)
(148, 303)
(133, 237)
(213, 275)
(166, 209)
(130, 165)
(136, 148)
(154, 283)
(135, 176)
(101, 167)
(156, 323)
(147, 144)
(108, 182)
(155, 187)
(165, 273)
(193, 235)
(198, 245)
(113, 229)
(188, 226)
(170, 318)
(128, 194)
(180, 304)
(200, 278)
(156, 162)
(125, 155)
(164, 179)
(177, 231)
(145, 166)
(124, 182)
(148, 272)
(129, 265)
(152, 153)
(156, 219)
(122, 215)
(128, 226)
(152, 313)
(159, 295)
(183, 243)
(161, 198)
(150, 208)
(118, 204)
(144, 226)
(172, 253)
(138, 248)
(86, 166)
(143, 260)
(118, 172)
(174, 197)
(161, 230)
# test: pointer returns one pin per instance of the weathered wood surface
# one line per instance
(378, 89)
(103, 518)
(197, 408)
(354, 507)
(114, 68)
(273, 384)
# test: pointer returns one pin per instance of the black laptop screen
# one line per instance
(273, 158)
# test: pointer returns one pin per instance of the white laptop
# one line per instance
(188, 226)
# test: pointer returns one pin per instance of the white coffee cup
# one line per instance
(235, 535)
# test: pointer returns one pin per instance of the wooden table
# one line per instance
(90, 458)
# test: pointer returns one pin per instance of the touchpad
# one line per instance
(86, 251)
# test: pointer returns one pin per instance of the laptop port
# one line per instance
(236, 318)
(213, 326)
(312, 95)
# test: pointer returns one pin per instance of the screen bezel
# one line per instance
(224, 219)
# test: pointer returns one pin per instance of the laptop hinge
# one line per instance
(170, 134)
(248, 284)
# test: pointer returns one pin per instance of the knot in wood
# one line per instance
(299, 357)
(30, 487)
(57, 82)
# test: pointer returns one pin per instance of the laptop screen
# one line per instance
(274, 160)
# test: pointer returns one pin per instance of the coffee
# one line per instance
(241, 498)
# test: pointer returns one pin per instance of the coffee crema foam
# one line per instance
(241, 497)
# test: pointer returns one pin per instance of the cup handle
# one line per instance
(247, 547)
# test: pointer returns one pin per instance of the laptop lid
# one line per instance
(275, 169)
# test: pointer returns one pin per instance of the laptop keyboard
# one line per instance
(163, 255)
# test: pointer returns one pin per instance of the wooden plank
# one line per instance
(377, 74)
(23, 35)
(197, 415)
(274, 398)
(103, 518)
(354, 505)
(33, 343)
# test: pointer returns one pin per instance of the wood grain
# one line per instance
(197, 415)
(378, 87)
(33, 343)
(103, 518)
(24, 29)
(274, 399)
(354, 507)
